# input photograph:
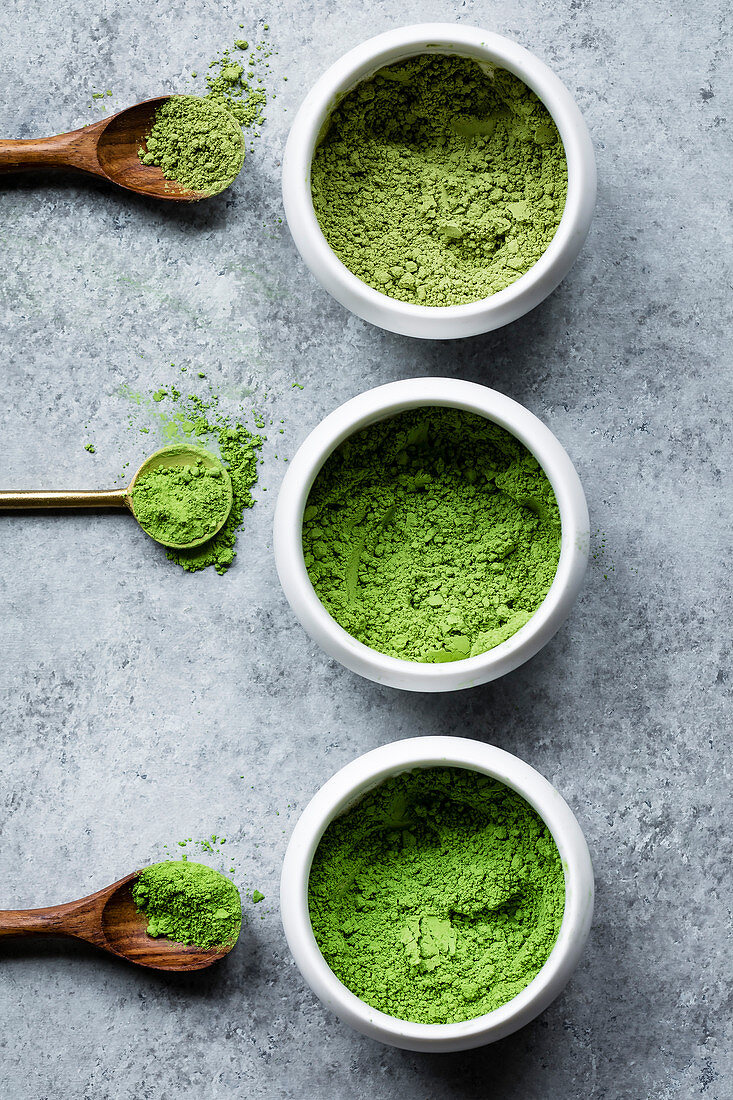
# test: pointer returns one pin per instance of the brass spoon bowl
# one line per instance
(110, 919)
(108, 148)
(176, 454)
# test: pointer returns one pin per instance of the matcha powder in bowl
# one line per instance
(431, 536)
(438, 897)
(440, 180)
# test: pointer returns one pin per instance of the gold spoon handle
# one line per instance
(25, 499)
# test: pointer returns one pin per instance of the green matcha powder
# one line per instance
(432, 536)
(189, 903)
(191, 418)
(438, 897)
(440, 180)
(197, 141)
(179, 505)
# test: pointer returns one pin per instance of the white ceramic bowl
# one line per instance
(438, 322)
(378, 404)
(340, 793)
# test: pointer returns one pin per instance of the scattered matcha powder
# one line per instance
(438, 897)
(229, 86)
(439, 181)
(189, 903)
(432, 536)
(211, 846)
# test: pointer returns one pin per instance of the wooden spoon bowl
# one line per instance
(108, 148)
(110, 919)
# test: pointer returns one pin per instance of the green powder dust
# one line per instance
(181, 504)
(438, 897)
(440, 180)
(432, 536)
(232, 87)
(195, 142)
(189, 903)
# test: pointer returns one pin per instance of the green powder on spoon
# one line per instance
(438, 897)
(189, 903)
(180, 505)
(186, 419)
(196, 143)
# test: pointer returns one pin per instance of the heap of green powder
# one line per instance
(231, 86)
(195, 142)
(440, 180)
(431, 536)
(178, 505)
(189, 903)
(438, 897)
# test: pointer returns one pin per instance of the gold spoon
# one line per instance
(111, 920)
(176, 454)
(108, 148)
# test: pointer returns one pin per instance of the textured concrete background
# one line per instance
(134, 698)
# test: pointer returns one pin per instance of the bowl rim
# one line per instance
(381, 403)
(469, 318)
(346, 787)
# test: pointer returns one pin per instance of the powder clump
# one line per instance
(197, 143)
(189, 903)
(440, 180)
(181, 504)
(231, 87)
(438, 897)
(432, 536)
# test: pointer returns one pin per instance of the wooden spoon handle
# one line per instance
(77, 149)
(75, 918)
(28, 922)
(63, 498)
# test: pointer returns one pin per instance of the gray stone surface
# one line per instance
(140, 705)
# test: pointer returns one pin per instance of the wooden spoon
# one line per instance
(110, 920)
(176, 454)
(108, 148)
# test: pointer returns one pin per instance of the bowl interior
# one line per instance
(369, 69)
(387, 414)
(536, 797)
